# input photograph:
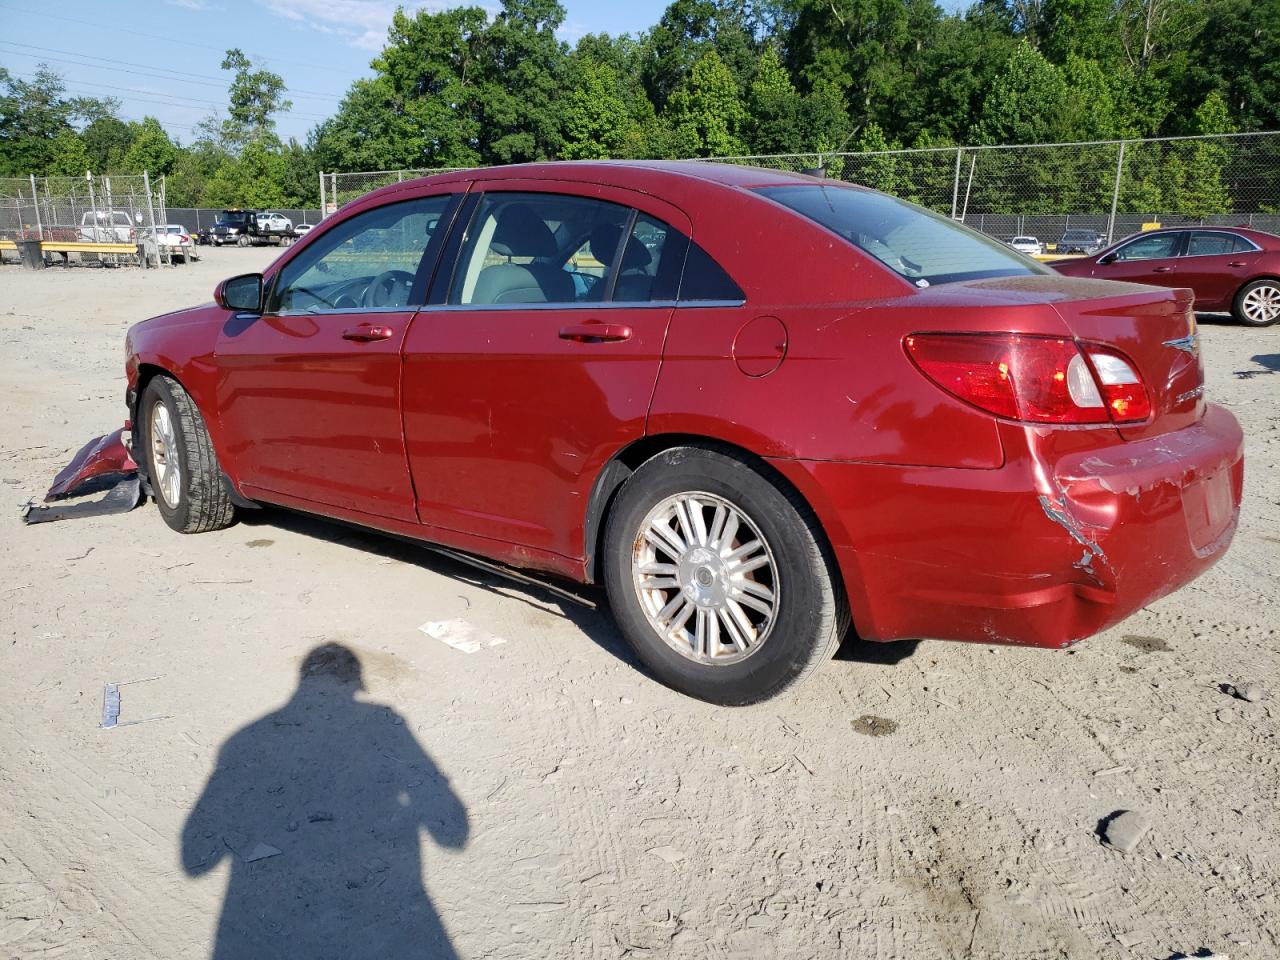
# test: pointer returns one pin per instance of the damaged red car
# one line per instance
(756, 407)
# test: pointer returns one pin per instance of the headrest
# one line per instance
(522, 233)
(604, 244)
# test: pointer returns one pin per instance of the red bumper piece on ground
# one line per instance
(100, 464)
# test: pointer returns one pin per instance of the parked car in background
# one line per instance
(1229, 269)
(173, 239)
(108, 226)
(302, 229)
(1028, 245)
(1080, 241)
(911, 427)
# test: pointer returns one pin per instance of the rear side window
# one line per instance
(918, 245)
(1206, 243)
(662, 264)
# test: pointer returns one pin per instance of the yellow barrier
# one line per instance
(73, 246)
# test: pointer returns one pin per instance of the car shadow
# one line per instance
(590, 613)
(320, 806)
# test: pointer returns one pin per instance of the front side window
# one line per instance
(922, 247)
(1157, 247)
(538, 248)
(367, 262)
(1206, 243)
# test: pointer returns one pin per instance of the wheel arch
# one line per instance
(625, 461)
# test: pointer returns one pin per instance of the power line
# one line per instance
(202, 79)
(153, 36)
(171, 99)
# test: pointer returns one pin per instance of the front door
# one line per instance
(540, 361)
(1151, 259)
(309, 392)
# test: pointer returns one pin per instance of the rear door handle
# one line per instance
(1161, 269)
(367, 334)
(595, 332)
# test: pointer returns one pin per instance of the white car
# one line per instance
(303, 229)
(1028, 245)
(176, 241)
(274, 222)
(107, 226)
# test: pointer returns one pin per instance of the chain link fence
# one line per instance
(1112, 187)
(93, 208)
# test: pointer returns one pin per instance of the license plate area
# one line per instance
(1209, 508)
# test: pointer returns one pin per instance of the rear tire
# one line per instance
(180, 462)
(1258, 303)
(760, 618)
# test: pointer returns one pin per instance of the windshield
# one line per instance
(1079, 235)
(916, 244)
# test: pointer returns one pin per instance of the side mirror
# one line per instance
(242, 293)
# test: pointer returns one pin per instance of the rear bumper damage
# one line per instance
(1054, 546)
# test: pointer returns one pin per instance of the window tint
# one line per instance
(368, 261)
(538, 248)
(1204, 243)
(1155, 247)
(704, 279)
(916, 244)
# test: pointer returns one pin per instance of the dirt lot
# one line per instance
(915, 801)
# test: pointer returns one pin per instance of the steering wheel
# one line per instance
(382, 288)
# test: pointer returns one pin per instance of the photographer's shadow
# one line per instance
(320, 806)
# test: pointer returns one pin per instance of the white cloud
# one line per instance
(189, 4)
(362, 23)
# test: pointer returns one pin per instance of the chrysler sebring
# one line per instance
(759, 408)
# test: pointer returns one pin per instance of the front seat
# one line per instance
(522, 233)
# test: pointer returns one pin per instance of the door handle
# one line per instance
(1161, 269)
(367, 334)
(595, 332)
(1237, 263)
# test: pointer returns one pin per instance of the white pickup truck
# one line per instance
(108, 226)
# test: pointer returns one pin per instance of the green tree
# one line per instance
(254, 98)
(1025, 102)
(596, 124)
(106, 139)
(705, 112)
(687, 30)
(150, 150)
(69, 157)
(775, 108)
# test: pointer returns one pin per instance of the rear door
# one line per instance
(1152, 258)
(309, 392)
(1215, 265)
(539, 359)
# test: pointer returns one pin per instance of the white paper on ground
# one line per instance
(460, 635)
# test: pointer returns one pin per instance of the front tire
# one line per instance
(1258, 303)
(719, 577)
(181, 465)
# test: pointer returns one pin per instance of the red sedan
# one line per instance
(1230, 269)
(755, 406)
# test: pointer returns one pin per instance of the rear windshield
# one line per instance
(920, 246)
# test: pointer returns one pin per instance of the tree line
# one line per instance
(464, 86)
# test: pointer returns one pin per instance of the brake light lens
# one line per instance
(1033, 379)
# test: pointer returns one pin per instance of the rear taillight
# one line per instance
(1031, 378)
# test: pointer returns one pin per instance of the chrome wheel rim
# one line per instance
(166, 476)
(1262, 304)
(706, 578)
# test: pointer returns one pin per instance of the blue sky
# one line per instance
(161, 58)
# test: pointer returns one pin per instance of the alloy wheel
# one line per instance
(1261, 305)
(706, 578)
(166, 475)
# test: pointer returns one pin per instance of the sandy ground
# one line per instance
(542, 797)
